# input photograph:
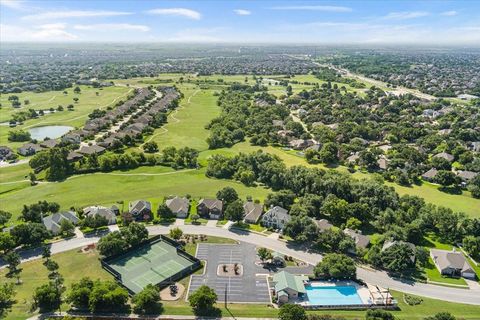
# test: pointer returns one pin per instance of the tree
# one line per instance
(29, 234)
(203, 300)
(7, 242)
(378, 314)
(79, 295)
(397, 258)
(471, 244)
(234, 211)
(446, 178)
(47, 297)
(264, 254)
(147, 301)
(283, 198)
(164, 212)
(4, 217)
(107, 296)
(135, 233)
(111, 244)
(227, 195)
(67, 228)
(77, 90)
(13, 260)
(328, 153)
(292, 311)
(441, 316)
(176, 233)
(150, 147)
(7, 295)
(336, 266)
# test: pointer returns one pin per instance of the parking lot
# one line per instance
(252, 286)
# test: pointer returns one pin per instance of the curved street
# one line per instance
(380, 278)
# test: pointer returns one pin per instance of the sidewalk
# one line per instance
(135, 316)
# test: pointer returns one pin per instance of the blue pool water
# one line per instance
(333, 295)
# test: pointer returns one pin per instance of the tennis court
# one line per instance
(150, 264)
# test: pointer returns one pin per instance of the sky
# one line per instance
(316, 22)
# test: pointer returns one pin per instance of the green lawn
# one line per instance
(88, 100)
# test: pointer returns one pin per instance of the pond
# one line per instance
(52, 132)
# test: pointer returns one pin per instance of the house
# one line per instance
(288, 287)
(444, 155)
(466, 176)
(353, 158)
(323, 224)
(6, 153)
(29, 149)
(252, 212)
(88, 150)
(430, 174)
(361, 241)
(276, 218)
(444, 132)
(383, 163)
(74, 156)
(50, 143)
(107, 213)
(211, 208)
(140, 209)
(179, 206)
(53, 223)
(301, 144)
(452, 263)
(391, 243)
(73, 138)
(278, 123)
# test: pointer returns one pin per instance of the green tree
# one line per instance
(67, 228)
(446, 178)
(264, 254)
(203, 300)
(147, 301)
(135, 233)
(111, 244)
(164, 212)
(107, 296)
(228, 195)
(397, 258)
(234, 211)
(150, 147)
(13, 261)
(292, 311)
(336, 266)
(7, 298)
(471, 244)
(7, 242)
(79, 295)
(77, 90)
(378, 314)
(176, 233)
(328, 153)
(4, 217)
(441, 316)
(47, 297)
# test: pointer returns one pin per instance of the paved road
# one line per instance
(375, 277)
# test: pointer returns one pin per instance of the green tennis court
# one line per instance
(149, 264)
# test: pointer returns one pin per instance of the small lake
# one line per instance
(52, 132)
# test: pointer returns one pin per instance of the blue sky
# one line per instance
(324, 22)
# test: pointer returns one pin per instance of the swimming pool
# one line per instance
(332, 295)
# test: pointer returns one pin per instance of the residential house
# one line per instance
(276, 218)
(430, 175)
(353, 158)
(29, 149)
(74, 156)
(210, 208)
(444, 155)
(53, 223)
(383, 163)
(390, 243)
(50, 143)
(107, 213)
(140, 210)
(72, 137)
(89, 150)
(323, 224)
(452, 263)
(6, 153)
(361, 241)
(466, 176)
(288, 287)
(252, 212)
(179, 206)
(301, 144)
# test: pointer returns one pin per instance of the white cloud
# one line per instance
(449, 13)
(315, 8)
(12, 4)
(73, 14)
(404, 15)
(102, 27)
(242, 12)
(196, 35)
(182, 12)
(47, 32)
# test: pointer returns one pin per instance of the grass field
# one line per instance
(88, 101)
(35, 274)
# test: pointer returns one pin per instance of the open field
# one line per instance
(185, 127)
(88, 101)
(34, 274)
